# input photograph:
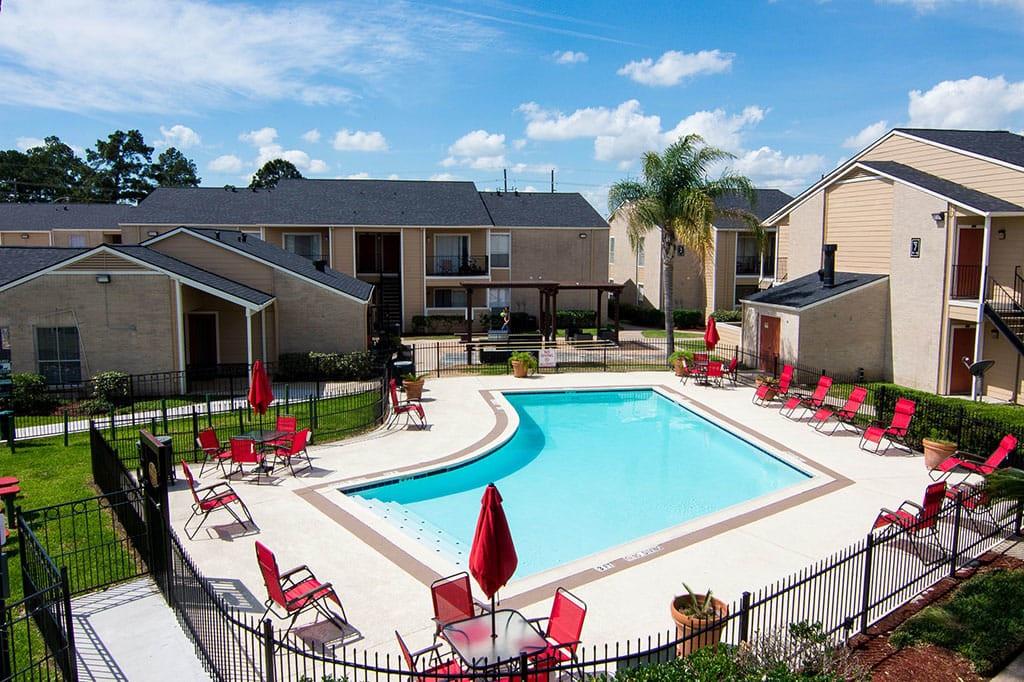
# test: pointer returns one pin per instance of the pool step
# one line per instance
(418, 528)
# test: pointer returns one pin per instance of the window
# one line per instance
(747, 261)
(451, 253)
(744, 290)
(640, 295)
(57, 350)
(305, 245)
(768, 258)
(499, 298)
(112, 238)
(449, 298)
(76, 241)
(5, 344)
(640, 256)
(611, 249)
(500, 250)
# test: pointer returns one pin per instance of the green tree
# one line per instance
(49, 172)
(677, 197)
(174, 169)
(272, 172)
(121, 167)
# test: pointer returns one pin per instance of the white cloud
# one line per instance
(393, 176)
(443, 176)
(481, 150)
(297, 157)
(317, 166)
(975, 102)
(569, 57)
(768, 167)
(311, 136)
(867, 135)
(69, 55)
(519, 143)
(259, 138)
(673, 66)
(358, 176)
(360, 141)
(478, 143)
(228, 163)
(718, 128)
(179, 136)
(529, 188)
(26, 143)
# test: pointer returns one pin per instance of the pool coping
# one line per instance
(500, 433)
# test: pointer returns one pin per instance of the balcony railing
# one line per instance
(748, 266)
(966, 282)
(457, 266)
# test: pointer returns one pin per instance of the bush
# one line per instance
(113, 388)
(642, 316)
(519, 322)
(580, 319)
(728, 315)
(312, 366)
(95, 407)
(687, 318)
(29, 394)
(438, 324)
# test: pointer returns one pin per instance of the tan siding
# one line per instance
(135, 234)
(559, 254)
(230, 323)
(412, 275)
(859, 221)
(34, 239)
(725, 271)
(219, 260)
(344, 250)
(103, 261)
(311, 318)
(782, 250)
(1006, 254)
(804, 239)
(978, 174)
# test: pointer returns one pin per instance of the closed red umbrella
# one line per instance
(711, 334)
(261, 393)
(492, 559)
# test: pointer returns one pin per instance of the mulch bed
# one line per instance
(873, 652)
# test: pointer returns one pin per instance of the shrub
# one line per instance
(438, 324)
(579, 319)
(728, 315)
(527, 359)
(519, 322)
(687, 318)
(642, 316)
(95, 407)
(29, 394)
(294, 366)
(311, 366)
(113, 388)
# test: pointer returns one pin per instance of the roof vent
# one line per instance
(827, 274)
(320, 265)
(216, 235)
(244, 237)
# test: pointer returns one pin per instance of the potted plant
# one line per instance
(936, 449)
(676, 360)
(771, 382)
(413, 384)
(702, 614)
(523, 363)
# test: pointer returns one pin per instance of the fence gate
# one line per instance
(154, 472)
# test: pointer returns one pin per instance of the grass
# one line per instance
(982, 621)
(679, 334)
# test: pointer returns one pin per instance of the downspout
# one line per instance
(979, 330)
(714, 275)
(181, 335)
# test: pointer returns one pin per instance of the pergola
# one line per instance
(548, 292)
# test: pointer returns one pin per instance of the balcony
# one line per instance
(457, 266)
(748, 266)
(966, 284)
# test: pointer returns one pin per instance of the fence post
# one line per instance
(955, 551)
(209, 412)
(437, 360)
(312, 413)
(287, 395)
(1018, 518)
(113, 425)
(744, 616)
(131, 396)
(241, 424)
(5, 644)
(268, 651)
(69, 625)
(195, 431)
(163, 411)
(66, 427)
(524, 667)
(865, 600)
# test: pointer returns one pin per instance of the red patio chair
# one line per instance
(974, 499)
(440, 670)
(214, 452)
(895, 434)
(781, 391)
(700, 358)
(295, 591)
(412, 411)
(921, 522)
(564, 626)
(209, 499)
(294, 448)
(244, 451)
(733, 370)
(812, 402)
(453, 600)
(289, 425)
(844, 415)
(965, 463)
(714, 373)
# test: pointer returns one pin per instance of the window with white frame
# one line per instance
(611, 249)
(640, 255)
(449, 298)
(305, 245)
(499, 298)
(58, 354)
(501, 248)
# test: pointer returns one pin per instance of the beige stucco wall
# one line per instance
(343, 250)
(413, 274)
(34, 239)
(858, 219)
(311, 318)
(1006, 254)
(218, 259)
(558, 254)
(1003, 381)
(804, 236)
(849, 332)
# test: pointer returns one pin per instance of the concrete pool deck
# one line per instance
(383, 579)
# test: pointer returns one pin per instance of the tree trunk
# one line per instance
(668, 252)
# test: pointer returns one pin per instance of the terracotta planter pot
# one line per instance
(935, 452)
(710, 631)
(519, 369)
(413, 389)
(678, 367)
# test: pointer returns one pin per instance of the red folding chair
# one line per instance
(209, 499)
(214, 452)
(564, 626)
(244, 451)
(812, 402)
(289, 425)
(294, 448)
(453, 600)
(844, 415)
(296, 591)
(412, 411)
(733, 370)
(765, 393)
(976, 501)
(917, 520)
(895, 434)
(715, 373)
(439, 670)
(965, 463)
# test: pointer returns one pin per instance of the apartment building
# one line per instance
(734, 268)
(63, 224)
(928, 228)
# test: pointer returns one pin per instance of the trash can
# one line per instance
(6, 425)
(402, 367)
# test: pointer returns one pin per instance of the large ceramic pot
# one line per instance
(936, 451)
(413, 389)
(678, 363)
(519, 369)
(709, 630)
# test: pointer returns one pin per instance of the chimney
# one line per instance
(828, 270)
(320, 265)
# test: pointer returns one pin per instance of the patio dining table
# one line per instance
(472, 642)
(262, 438)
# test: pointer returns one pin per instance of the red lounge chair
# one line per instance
(733, 370)
(215, 453)
(295, 591)
(412, 411)
(294, 448)
(564, 626)
(715, 373)
(688, 372)
(975, 500)
(815, 401)
(920, 522)
(959, 464)
(844, 415)
(453, 600)
(895, 434)
(289, 425)
(244, 451)
(781, 391)
(440, 671)
(211, 498)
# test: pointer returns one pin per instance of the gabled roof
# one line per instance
(807, 290)
(1001, 145)
(965, 197)
(541, 209)
(44, 217)
(19, 261)
(257, 249)
(768, 202)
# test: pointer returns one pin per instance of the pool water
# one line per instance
(585, 471)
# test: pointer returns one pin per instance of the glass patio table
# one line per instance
(261, 438)
(471, 639)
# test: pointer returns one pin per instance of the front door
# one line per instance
(960, 379)
(202, 340)
(967, 279)
(768, 341)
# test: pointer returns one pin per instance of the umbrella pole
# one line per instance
(494, 627)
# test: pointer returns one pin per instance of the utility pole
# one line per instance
(552, 180)
(504, 171)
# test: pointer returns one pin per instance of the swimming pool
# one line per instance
(585, 471)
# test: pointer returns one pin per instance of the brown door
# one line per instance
(366, 252)
(967, 277)
(963, 347)
(390, 253)
(202, 340)
(768, 341)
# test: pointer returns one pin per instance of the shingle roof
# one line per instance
(768, 201)
(807, 290)
(416, 203)
(44, 217)
(1001, 145)
(274, 255)
(541, 209)
(183, 269)
(955, 192)
(18, 261)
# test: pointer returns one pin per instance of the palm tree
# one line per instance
(678, 198)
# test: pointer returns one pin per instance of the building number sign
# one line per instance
(915, 247)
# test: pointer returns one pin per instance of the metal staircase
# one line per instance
(390, 301)
(1004, 306)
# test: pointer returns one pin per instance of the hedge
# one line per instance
(29, 394)
(642, 316)
(580, 319)
(312, 366)
(728, 315)
(438, 324)
(688, 318)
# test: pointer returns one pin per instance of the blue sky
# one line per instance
(462, 90)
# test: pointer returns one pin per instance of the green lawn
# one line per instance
(679, 334)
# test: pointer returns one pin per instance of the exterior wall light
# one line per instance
(939, 218)
(152, 233)
(24, 236)
(1001, 234)
(103, 279)
(582, 235)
